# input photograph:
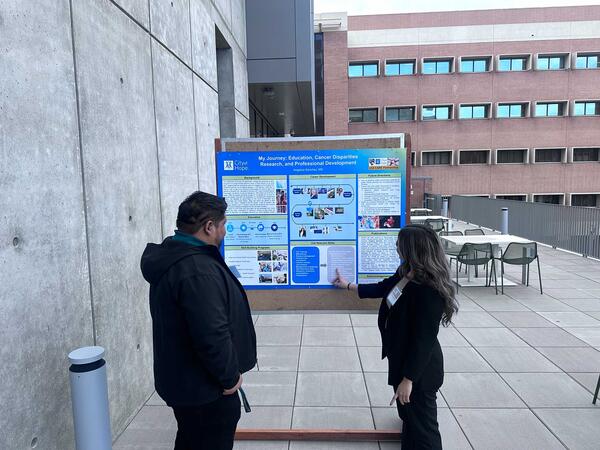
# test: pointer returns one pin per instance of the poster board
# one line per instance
(301, 207)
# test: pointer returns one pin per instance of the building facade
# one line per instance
(109, 110)
(498, 103)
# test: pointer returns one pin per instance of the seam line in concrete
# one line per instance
(81, 167)
(297, 373)
(194, 98)
(134, 20)
(160, 208)
(196, 132)
(364, 378)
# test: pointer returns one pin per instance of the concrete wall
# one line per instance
(108, 114)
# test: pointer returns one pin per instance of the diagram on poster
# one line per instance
(294, 217)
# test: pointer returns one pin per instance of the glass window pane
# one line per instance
(442, 113)
(392, 69)
(405, 114)
(480, 65)
(542, 64)
(541, 110)
(585, 154)
(355, 70)
(548, 155)
(555, 63)
(356, 115)
(429, 67)
(466, 65)
(553, 109)
(518, 64)
(503, 110)
(370, 115)
(581, 62)
(579, 109)
(407, 68)
(479, 112)
(511, 156)
(592, 62)
(465, 112)
(428, 113)
(591, 109)
(516, 110)
(391, 114)
(443, 67)
(504, 64)
(370, 70)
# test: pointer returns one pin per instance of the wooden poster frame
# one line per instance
(317, 299)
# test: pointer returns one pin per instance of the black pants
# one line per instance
(208, 427)
(419, 422)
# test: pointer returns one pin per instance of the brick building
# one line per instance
(499, 103)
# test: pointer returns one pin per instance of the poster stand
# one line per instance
(316, 299)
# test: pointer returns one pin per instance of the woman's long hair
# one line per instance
(421, 251)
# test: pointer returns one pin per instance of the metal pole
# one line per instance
(89, 396)
(504, 221)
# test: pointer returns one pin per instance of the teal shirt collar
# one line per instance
(188, 239)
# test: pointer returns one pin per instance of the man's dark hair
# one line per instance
(199, 208)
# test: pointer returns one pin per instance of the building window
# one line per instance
(474, 112)
(586, 154)
(587, 108)
(443, 158)
(510, 110)
(550, 109)
(367, 69)
(433, 66)
(555, 199)
(437, 112)
(474, 65)
(413, 159)
(474, 156)
(519, 198)
(401, 113)
(404, 67)
(549, 155)
(512, 63)
(363, 115)
(588, 200)
(551, 62)
(518, 156)
(587, 61)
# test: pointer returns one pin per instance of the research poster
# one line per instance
(294, 217)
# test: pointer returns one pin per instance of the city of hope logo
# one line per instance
(228, 164)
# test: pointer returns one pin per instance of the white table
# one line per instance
(498, 241)
(422, 219)
(425, 211)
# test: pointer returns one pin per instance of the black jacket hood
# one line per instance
(158, 258)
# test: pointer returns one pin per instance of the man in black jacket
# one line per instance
(202, 329)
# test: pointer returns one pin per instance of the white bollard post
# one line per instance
(445, 207)
(504, 222)
(89, 396)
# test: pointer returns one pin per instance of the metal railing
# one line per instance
(573, 228)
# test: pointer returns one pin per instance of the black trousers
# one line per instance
(208, 427)
(419, 422)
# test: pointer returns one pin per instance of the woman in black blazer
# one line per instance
(415, 300)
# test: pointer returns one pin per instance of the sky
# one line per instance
(360, 7)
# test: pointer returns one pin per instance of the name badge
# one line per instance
(394, 295)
